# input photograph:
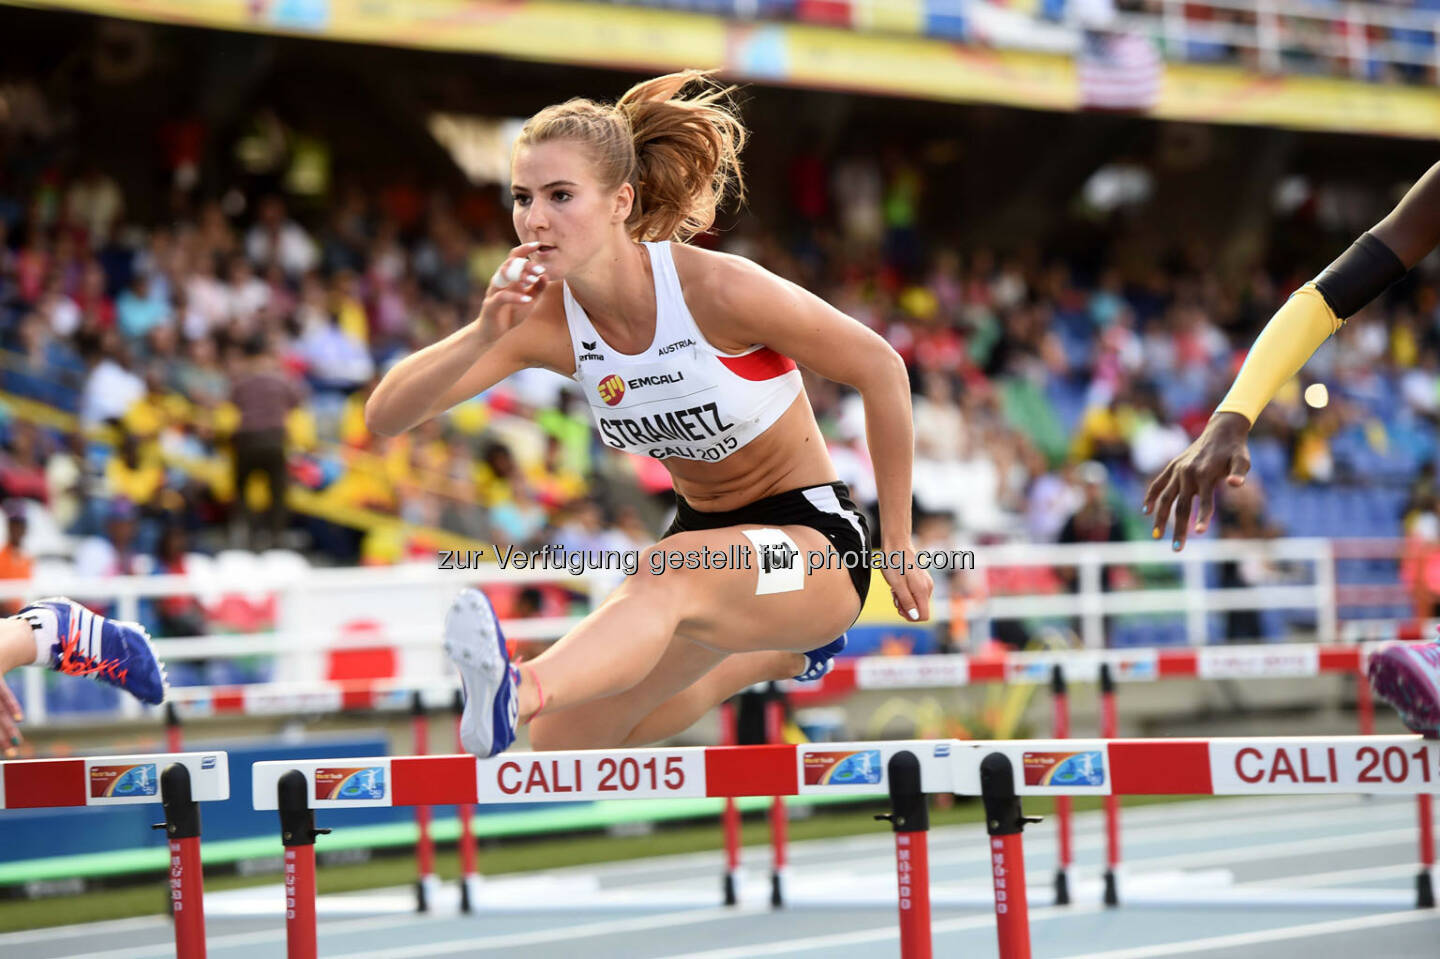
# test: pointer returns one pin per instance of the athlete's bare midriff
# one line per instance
(789, 455)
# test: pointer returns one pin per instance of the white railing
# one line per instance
(403, 607)
(1267, 29)
(1280, 26)
(1091, 603)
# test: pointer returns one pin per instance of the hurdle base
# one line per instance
(426, 888)
(1062, 887)
(1112, 896)
(730, 893)
(1424, 890)
(777, 889)
(469, 894)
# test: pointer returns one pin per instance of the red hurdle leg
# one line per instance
(424, 844)
(469, 852)
(1004, 822)
(779, 817)
(910, 818)
(298, 832)
(1424, 882)
(187, 885)
(1364, 701)
(1109, 729)
(174, 736)
(1061, 699)
(730, 819)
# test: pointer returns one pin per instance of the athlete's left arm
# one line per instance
(746, 304)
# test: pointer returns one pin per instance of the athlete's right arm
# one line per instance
(470, 360)
(1315, 311)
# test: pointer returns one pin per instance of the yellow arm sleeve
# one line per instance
(1291, 337)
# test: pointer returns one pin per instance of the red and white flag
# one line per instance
(1119, 71)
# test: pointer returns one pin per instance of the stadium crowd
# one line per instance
(166, 381)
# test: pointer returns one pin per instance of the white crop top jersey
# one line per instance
(681, 397)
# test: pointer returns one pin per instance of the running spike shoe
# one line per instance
(83, 643)
(1407, 676)
(818, 662)
(490, 682)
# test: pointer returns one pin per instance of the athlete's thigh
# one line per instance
(749, 608)
(606, 722)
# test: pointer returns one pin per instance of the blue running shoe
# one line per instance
(1407, 676)
(83, 643)
(818, 662)
(490, 681)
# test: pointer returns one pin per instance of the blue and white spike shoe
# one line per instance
(83, 643)
(490, 681)
(818, 662)
(1407, 676)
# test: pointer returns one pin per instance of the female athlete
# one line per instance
(1406, 675)
(688, 356)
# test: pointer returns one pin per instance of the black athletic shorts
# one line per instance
(826, 508)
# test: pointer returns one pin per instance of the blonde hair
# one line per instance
(681, 155)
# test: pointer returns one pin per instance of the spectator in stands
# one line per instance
(22, 474)
(110, 387)
(275, 238)
(179, 615)
(1094, 522)
(265, 395)
(138, 311)
(64, 480)
(15, 563)
(114, 553)
(134, 473)
(1242, 516)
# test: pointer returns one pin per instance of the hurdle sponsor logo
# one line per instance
(339, 783)
(858, 768)
(124, 782)
(1085, 768)
(1259, 663)
(909, 672)
(1081, 666)
(1340, 766)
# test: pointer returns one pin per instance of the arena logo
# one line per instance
(611, 389)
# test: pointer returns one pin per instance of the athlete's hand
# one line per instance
(910, 586)
(512, 292)
(10, 716)
(1220, 453)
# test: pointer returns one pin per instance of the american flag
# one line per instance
(1119, 71)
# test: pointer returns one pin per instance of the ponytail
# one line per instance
(681, 155)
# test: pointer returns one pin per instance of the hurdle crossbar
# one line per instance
(1278, 765)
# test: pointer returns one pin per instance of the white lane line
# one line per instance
(1313, 879)
(167, 950)
(478, 941)
(892, 931)
(83, 929)
(1211, 812)
(1305, 931)
(971, 849)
